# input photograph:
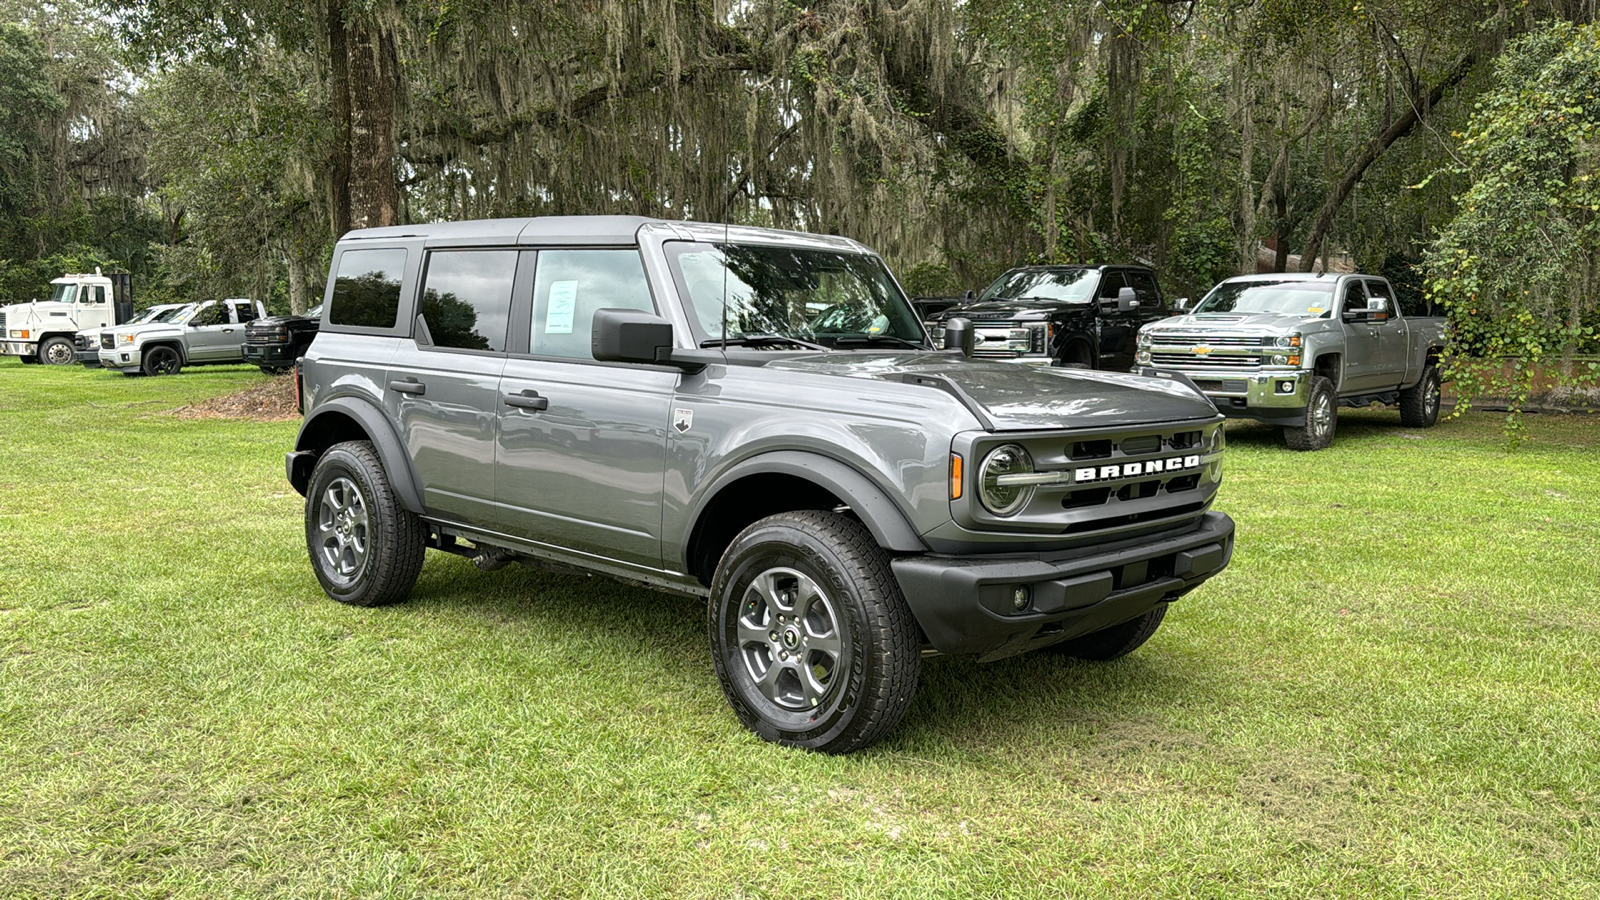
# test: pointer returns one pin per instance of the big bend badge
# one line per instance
(682, 419)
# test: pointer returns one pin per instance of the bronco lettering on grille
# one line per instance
(1135, 469)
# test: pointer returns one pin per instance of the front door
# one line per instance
(208, 333)
(1389, 366)
(1363, 341)
(1116, 326)
(582, 444)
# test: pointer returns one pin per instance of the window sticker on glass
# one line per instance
(563, 299)
(1314, 310)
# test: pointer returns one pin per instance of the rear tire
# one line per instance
(57, 351)
(813, 642)
(1322, 419)
(365, 548)
(1419, 404)
(161, 360)
(1114, 642)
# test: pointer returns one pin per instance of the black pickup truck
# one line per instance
(1081, 317)
(275, 343)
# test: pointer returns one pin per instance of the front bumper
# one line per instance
(19, 348)
(1279, 397)
(121, 360)
(965, 603)
(90, 358)
(268, 354)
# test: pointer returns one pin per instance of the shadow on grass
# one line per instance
(961, 706)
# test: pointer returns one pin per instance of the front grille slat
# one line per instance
(108, 342)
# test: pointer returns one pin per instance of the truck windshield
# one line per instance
(778, 296)
(63, 293)
(1284, 298)
(168, 315)
(1061, 285)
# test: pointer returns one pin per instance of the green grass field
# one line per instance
(1393, 692)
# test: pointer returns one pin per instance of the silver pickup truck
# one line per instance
(1290, 349)
(204, 333)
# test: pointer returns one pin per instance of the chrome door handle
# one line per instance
(527, 400)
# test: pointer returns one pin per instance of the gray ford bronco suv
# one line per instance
(756, 417)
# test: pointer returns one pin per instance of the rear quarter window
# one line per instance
(366, 290)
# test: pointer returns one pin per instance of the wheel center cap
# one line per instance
(791, 638)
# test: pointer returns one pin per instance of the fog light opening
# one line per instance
(1021, 597)
(1285, 387)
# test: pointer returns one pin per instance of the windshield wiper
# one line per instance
(760, 340)
(875, 338)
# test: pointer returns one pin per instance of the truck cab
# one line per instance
(44, 331)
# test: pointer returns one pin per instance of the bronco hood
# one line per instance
(1022, 397)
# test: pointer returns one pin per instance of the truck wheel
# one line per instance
(1419, 404)
(365, 547)
(1076, 355)
(57, 351)
(161, 360)
(1322, 418)
(813, 642)
(1114, 642)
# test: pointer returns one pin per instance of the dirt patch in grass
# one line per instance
(273, 401)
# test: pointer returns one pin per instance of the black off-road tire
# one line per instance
(1419, 404)
(365, 548)
(1114, 642)
(161, 360)
(849, 629)
(1322, 418)
(57, 351)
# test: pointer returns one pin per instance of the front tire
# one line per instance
(1114, 642)
(1322, 419)
(365, 548)
(161, 360)
(57, 351)
(813, 642)
(1419, 404)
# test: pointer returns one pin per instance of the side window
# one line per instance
(244, 312)
(99, 294)
(1144, 284)
(466, 298)
(1110, 284)
(211, 315)
(1354, 296)
(571, 284)
(366, 292)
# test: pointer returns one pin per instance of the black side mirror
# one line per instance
(970, 294)
(632, 336)
(958, 335)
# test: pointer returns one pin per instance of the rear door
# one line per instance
(443, 380)
(582, 444)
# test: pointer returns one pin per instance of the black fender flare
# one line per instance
(882, 516)
(372, 420)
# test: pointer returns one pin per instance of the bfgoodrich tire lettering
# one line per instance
(365, 547)
(813, 642)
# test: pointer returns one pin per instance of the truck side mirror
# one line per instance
(1378, 307)
(1181, 304)
(632, 336)
(958, 335)
(1127, 300)
(970, 294)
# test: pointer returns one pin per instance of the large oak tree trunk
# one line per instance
(364, 82)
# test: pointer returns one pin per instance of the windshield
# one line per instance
(168, 315)
(819, 296)
(1061, 285)
(63, 293)
(1285, 298)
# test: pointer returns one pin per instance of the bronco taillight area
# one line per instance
(300, 385)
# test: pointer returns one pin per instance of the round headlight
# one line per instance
(1004, 499)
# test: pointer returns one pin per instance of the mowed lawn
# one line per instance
(1393, 691)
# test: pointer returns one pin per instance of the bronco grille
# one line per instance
(1112, 480)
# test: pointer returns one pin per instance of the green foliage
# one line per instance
(1518, 267)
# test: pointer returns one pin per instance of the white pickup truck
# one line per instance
(1290, 349)
(209, 332)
